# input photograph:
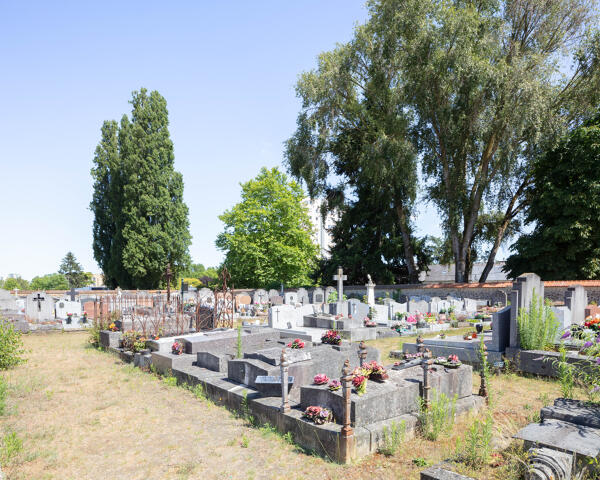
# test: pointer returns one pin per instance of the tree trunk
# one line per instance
(406, 242)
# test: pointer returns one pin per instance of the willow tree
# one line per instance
(140, 220)
(488, 89)
(352, 124)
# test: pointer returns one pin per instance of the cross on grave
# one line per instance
(72, 293)
(39, 299)
(340, 277)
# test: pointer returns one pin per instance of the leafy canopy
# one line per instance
(564, 209)
(267, 236)
(72, 271)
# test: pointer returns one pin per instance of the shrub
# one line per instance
(475, 449)
(537, 325)
(392, 438)
(439, 417)
(11, 345)
(566, 373)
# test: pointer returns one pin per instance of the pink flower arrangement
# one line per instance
(331, 337)
(334, 385)
(321, 379)
(369, 323)
(453, 359)
(177, 348)
(297, 344)
(360, 384)
(318, 415)
(411, 319)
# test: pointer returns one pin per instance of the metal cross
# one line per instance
(168, 276)
(39, 301)
(72, 293)
(340, 277)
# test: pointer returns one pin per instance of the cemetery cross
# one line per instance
(39, 299)
(168, 276)
(72, 293)
(340, 277)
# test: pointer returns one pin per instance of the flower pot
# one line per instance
(479, 327)
(69, 320)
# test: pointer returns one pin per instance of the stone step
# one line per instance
(574, 412)
(564, 436)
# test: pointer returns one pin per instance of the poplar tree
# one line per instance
(140, 220)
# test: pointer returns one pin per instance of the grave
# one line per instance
(318, 295)
(260, 297)
(303, 296)
(65, 306)
(576, 301)
(39, 307)
(7, 301)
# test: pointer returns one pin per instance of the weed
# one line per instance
(11, 446)
(545, 399)
(3, 394)
(439, 417)
(420, 462)
(170, 381)
(392, 438)
(288, 437)
(475, 449)
(537, 325)
(566, 373)
(245, 441)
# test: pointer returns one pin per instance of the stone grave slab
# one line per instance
(7, 301)
(272, 356)
(65, 306)
(39, 307)
(270, 385)
(572, 411)
(562, 436)
(217, 362)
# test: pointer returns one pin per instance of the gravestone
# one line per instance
(276, 300)
(395, 307)
(576, 300)
(520, 297)
(303, 296)
(273, 293)
(443, 305)
(7, 301)
(318, 295)
(420, 306)
(205, 296)
(285, 316)
(290, 298)
(563, 316)
(243, 299)
(470, 305)
(500, 330)
(39, 307)
(260, 297)
(357, 309)
(328, 291)
(434, 304)
(65, 306)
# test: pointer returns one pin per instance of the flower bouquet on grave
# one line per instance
(377, 372)
(112, 327)
(139, 345)
(440, 361)
(334, 385)
(318, 415)
(84, 317)
(296, 344)
(369, 323)
(331, 337)
(360, 384)
(429, 317)
(177, 348)
(321, 379)
(453, 362)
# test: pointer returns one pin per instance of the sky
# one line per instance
(227, 70)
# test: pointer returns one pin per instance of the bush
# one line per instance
(11, 345)
(475, 449)
(537, 325)
(439, 417)
(392, 438)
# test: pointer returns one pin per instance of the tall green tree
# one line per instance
(485, 86)
(14, 282)
(475, 89)
(140, 220)
(352, 124)
(267, 236)
(72, 271)
(51, 281)
(564, 211)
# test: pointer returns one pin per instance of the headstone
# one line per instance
(434, 304)
(576, 300)
(290, 298)
(443, 305)
(470, 305)
(357, 309)
(65, 306)
(370, 291)
(243, 299)
(39, 307)
(501, 330)
(340, 277)
(205, 296)
(420, 306)
(260, 297)
(273, 293)
(284, 316)
(395, 307)
(563, 316)
(318, 295)
(276, 300)
(7, 301)
(303, 296)
(520, 297)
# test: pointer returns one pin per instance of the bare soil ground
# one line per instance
(82, 414)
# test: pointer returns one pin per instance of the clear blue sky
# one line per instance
(227, 70)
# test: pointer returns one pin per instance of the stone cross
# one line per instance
(72, 293)
(340, 277)
(285, 404)
(39, 301)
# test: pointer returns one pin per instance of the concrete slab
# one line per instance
(564, 436)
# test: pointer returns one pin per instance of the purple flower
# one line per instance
(598, 361)
(587, 344)
(567, 334)
(595, 389)
(597, 339)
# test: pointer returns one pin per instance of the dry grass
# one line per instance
(82, 414)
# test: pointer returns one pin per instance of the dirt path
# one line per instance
(83, 414)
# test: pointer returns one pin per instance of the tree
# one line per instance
(72, 271)
(352, 124)
(12, 283)
(564, 209)
(51, 281)
(475, 90)
(484, 85)
(267, 236)
(140, 220)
